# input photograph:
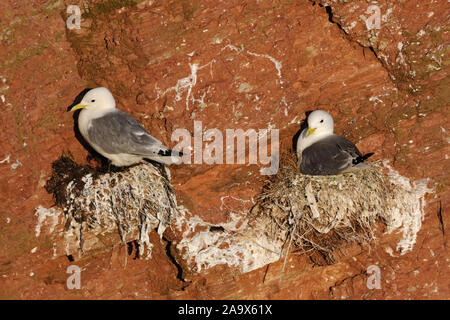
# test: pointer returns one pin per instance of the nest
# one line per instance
(321, 214)
(128, 203)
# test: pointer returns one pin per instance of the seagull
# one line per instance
(321, 152)
(117, 135)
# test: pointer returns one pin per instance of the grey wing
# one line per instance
(118, 132)
(329, 156)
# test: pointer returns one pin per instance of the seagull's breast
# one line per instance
(306, 141)
(301, 142)
(84, 120)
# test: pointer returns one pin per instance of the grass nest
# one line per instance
(126, 202)
(318, 215)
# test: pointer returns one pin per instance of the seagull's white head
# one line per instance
(98, 99)
(320, 122)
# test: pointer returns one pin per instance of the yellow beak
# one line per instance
(310, 131)
(78, 106)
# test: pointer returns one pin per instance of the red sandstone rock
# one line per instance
(251, 66)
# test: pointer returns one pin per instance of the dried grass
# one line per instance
(320, 214)
(131, 202)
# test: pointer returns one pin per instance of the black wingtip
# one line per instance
(362, 158)
(168, 153)
(367, 156)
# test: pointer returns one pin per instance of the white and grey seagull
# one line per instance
(115, 134)
(321, 152)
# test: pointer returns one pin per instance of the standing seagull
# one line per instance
(324, 153)
(115, 134)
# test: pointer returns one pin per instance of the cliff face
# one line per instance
(229, 65)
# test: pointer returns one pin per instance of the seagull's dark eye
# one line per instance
(93, 100)
(320, 120)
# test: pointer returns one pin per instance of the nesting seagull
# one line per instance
(324, 153)
(115, 134)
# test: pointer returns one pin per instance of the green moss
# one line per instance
(189, 10)
(52, 7)
(7, 36)
(436, 35)
(406, 34)
(307, 54)
(15, 233)
(141, 61)
(172, 33)
(18, 124)
(31, 51)
(425, 65)
(439, 98)
(48, 120)
(107, 7)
